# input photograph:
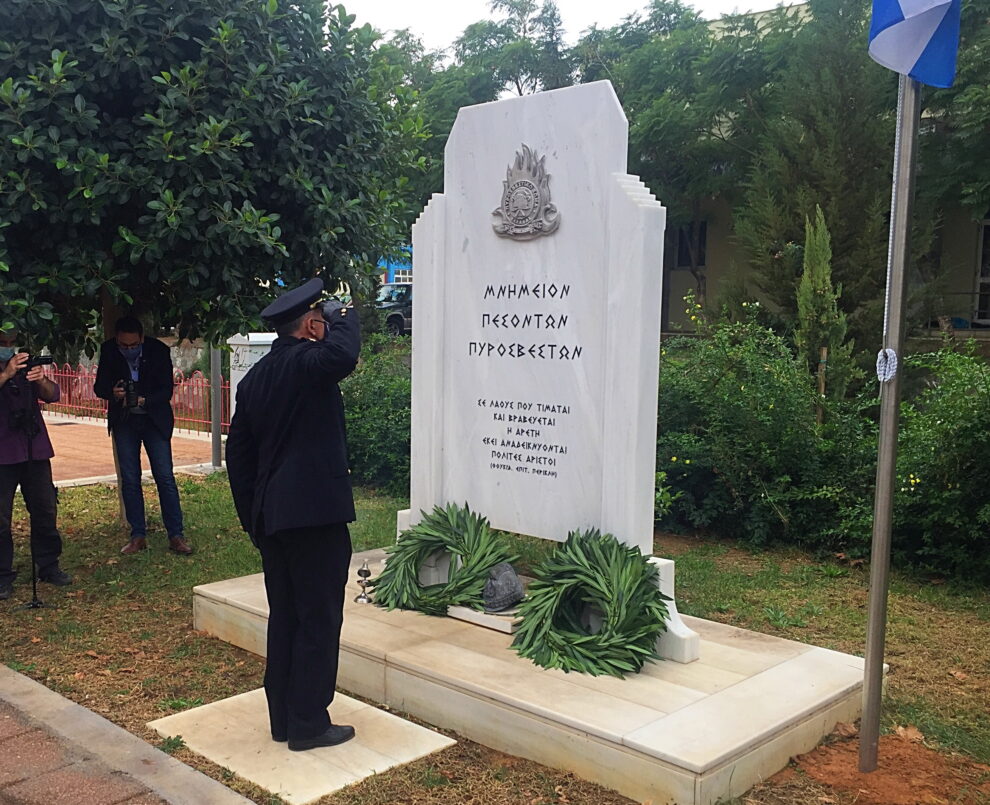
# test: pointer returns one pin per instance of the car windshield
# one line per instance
(393, 293)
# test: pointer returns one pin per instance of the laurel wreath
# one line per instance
(592, 569)
(474, 550)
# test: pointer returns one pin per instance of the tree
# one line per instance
(600, 51)
(956, 140)
(695, 99)
(438, 93)
(180, 158)
(524, 51)
(829, 143)
(820, 323)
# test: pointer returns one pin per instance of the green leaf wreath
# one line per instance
(592, 569)
(474, 550)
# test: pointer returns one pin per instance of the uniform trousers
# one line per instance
(35, 479)
(305, 573)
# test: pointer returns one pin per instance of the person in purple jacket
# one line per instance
(25, 459)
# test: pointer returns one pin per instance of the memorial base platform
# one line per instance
(675, 733)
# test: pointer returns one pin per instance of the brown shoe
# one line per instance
(179, 545)
(134, 546)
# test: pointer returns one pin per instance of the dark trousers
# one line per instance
(35, 479)
(128, 435)
(305, 573)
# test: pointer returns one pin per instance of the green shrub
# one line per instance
(744, 457)
(376, 404)
(841, 499)
(737, 432)
(942, 497)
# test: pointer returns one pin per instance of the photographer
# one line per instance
(134, 376)
(25, 459)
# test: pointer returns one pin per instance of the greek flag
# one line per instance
(918, 38)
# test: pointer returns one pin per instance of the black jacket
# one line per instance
(287, 450)
(154, 383)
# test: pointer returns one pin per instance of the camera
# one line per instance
(130, 394)
(37, 360)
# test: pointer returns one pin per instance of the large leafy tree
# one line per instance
(180, 158)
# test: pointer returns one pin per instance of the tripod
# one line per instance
(28, 425)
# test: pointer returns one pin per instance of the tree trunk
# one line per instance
(111, 311)
(822, 361)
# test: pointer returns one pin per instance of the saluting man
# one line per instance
(287, 466)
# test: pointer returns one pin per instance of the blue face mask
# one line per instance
(6, 353)
(131, 353)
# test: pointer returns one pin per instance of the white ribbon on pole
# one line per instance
(886, 365)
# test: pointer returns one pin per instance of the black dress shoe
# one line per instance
(56, 576)
(335, 734)
(6, 590)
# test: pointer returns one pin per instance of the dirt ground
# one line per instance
(908, 773)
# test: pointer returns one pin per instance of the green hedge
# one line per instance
(376, 404)
(737, 432)
(744, 456)
(942, 494)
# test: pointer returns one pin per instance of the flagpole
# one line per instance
(905, 154)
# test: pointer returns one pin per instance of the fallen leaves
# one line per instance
(910, 733)
(852, 562)
(845, 730)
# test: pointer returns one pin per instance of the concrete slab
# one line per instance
(674, 733)
(234, 733)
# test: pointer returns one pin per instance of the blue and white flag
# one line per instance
(918, 38)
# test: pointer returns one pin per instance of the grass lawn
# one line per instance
(120, 642)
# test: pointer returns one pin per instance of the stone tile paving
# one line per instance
(56, 752)
(38, 769)
(83, 450)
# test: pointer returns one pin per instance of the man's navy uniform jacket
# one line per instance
(287, 450)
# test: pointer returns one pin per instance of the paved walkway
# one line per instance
(56, 752)
(83, 452)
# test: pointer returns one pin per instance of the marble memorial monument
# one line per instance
(537, 308)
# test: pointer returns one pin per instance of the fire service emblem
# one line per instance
(526, 212)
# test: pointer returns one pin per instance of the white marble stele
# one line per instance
(534, 382)
(688, 734)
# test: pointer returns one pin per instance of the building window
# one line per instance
(982, 313)
(402, 275)
(685, 240)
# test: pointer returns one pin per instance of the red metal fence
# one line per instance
(190, 398)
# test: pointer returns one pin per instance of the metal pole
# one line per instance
(905, 148)
(215, 405)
